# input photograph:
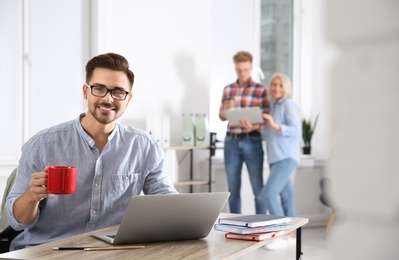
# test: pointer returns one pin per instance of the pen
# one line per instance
(68, 248)
(98, 248)
(112, 248)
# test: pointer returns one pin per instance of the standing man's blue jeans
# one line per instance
(246, 149)
(278, 191)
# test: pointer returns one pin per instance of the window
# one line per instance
(276, 37)
(268, 29)
(268, 10)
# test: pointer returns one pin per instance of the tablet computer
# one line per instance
(253, 114)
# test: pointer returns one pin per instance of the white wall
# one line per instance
(58, 33)
(182, 56)
(365, 123)
(43, 49)
(41, 68)
(169, 51)
(234, 28)
(11, 81)
(313, 56)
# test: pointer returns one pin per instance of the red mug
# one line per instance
(61, 179)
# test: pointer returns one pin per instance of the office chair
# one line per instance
(7, 233)
(326, 200)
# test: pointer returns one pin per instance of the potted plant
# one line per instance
(307, 133)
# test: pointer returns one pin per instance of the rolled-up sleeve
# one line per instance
(19, 187)
(11, 218)
(26, 166)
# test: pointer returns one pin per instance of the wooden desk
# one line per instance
(214, 246)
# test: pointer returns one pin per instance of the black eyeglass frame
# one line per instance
(108, 91)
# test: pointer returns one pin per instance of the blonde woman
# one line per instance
(282, 133)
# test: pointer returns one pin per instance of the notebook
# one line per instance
(255, 236)
(167, 217)
(251, 230)
(257, 220)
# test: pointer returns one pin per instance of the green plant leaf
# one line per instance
(308, 130)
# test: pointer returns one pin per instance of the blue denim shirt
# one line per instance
(285, 143)
(131, 162)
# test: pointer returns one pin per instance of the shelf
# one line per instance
(192, 182)
(190, 150)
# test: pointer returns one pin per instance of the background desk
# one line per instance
(214, 246)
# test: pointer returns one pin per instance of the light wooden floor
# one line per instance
(314, 247)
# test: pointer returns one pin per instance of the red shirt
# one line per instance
(251, 95)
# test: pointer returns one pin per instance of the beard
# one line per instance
(104, 116)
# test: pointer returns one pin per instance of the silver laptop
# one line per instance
(167, 217)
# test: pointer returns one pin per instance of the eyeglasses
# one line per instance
(101, 91)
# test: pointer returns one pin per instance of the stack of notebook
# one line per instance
(253, 227)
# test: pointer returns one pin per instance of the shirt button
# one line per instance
(94, 212)
(96, 185)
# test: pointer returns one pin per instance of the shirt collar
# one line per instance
(250, 83)
(280, 101)
(87, 137)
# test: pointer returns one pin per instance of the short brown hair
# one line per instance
(110, 61)
(242, 56)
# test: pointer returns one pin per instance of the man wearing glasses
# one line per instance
(113, 162)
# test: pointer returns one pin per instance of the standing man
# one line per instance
(244, 143)
(113, 163)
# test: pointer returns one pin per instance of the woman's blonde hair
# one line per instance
(286, 82)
